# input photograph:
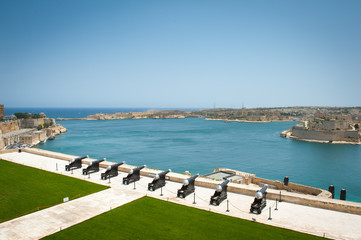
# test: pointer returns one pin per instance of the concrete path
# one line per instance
(316, 221)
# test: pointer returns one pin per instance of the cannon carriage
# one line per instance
(220, 194)
(93, 167)
(188, 187)
(259, 202)
(112, 171)
(75, 163)
(158, 181)
(133, 175)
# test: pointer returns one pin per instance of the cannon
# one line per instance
(188, 187)
(93, 167)
(111, 171)
(158, 181)
(133, 175)
(75, 163)
(220, 194)
(259, 200)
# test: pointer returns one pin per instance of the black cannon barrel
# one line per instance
(222, 185)
(260, 193)
(97, 161)
(162, 174)
(93, 167)
(191, 179)
(137, 169)
(115, 165)
(78, 159)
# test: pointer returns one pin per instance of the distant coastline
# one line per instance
(338, 125)
(261, 115)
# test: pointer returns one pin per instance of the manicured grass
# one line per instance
(149, 218)
(23, 189)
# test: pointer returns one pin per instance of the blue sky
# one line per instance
(173, 54)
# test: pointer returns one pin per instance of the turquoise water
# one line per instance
(199, 146)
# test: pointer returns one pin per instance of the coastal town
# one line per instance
(26, 130)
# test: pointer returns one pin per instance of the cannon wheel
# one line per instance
(259, 211)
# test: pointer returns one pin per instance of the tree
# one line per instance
(35, 116)
(40, 127)
(357, 126)
(22, 115)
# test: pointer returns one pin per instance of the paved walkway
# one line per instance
(311, 220)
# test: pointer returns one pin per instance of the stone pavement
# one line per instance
(316, 221)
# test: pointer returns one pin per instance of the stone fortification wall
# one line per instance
(337, 135)
(34, 123)
(292, 197)
(10, 126)
(329, 124)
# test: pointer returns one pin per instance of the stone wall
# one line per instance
(337, 135)
(10, 126)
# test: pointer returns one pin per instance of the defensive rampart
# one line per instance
(292, 197)
(332, 135)
(9, 126)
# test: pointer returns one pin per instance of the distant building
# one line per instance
(2, 112)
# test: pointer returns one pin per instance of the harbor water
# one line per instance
(198, 146)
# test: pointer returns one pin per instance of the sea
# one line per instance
(199, 146)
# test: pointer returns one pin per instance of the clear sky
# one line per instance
(169, 54)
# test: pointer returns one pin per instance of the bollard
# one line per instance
(71, 171)
(276, 205)
(269, 217)
(227, 206)
(134, 186)
(194, 197)
(56, 166)
(343, 194)
(89, 176)
(331, 189)
(109, 180)
(285, 181)
(161, 191)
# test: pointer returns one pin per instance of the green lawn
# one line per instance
(23, 189)
(149, 218)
